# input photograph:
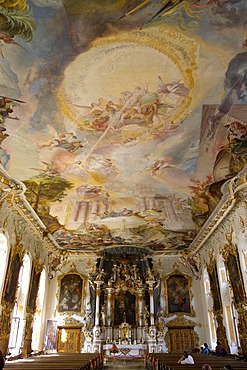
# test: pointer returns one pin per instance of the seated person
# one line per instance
(220, 351)
(206, 367)
(186, 359)
(206, 350)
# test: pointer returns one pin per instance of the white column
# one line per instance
(97, 303)
(109, 306)
(83, 212)
(151, 203)
(171, 211)
(95, 208)
(151, 296)
(76, 211)
(143, 205)
(140, 307)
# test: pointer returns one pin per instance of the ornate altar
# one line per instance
(124, 309)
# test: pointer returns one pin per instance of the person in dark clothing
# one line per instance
(220, 350)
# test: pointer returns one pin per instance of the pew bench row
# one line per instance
(56, 362)
(169, 361)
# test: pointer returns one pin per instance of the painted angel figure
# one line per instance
(176, 88)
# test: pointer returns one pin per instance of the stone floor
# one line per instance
(129, 364)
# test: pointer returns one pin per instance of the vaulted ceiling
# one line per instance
(123, 118)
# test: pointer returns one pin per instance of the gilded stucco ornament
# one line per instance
(71, 320)
(221, 330)
(5, 321)
(192, 262)
(242, 327)
(210, 263)
(29, 326)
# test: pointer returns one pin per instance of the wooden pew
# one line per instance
(168, 361)
(75, 361)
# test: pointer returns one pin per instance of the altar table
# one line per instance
(126, 349)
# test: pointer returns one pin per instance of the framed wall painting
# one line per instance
(178, 294)
(51, 335)
(33, 290)
(236, 278)
(215, 287)
(125, 309)
(12, 279)
(70, 293)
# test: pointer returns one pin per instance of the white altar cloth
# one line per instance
(134, 349)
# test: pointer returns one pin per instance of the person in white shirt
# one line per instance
(186, 359)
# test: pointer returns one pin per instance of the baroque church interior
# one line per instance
(123, 135)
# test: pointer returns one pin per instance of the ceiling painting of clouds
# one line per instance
(123, 119)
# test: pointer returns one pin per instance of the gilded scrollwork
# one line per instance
(242, 328)
(221, 331)
(29, 326)
(192, 262)
(5, 321)
(180, 321)
(71, 320)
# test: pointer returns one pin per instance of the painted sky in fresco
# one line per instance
(144, 120)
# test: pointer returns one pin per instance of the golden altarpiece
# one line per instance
(126, 307)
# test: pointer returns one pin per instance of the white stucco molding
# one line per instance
(225, 209)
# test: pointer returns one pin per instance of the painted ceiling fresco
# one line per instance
(123, 118)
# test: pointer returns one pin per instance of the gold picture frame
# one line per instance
(71, 293)
(178, 295)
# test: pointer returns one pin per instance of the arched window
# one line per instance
(18, 318)
(38, 334)
(210, 313)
